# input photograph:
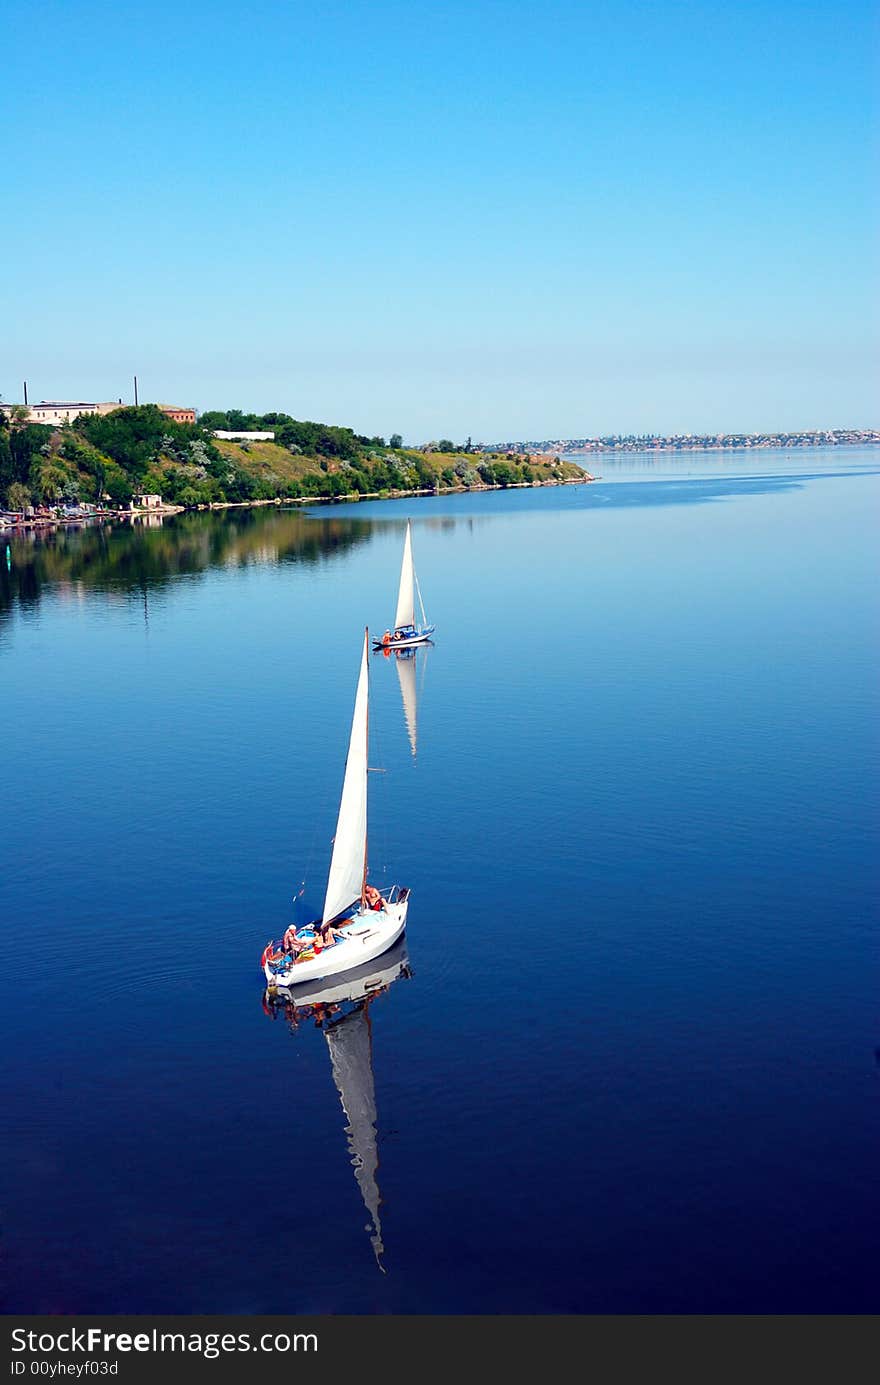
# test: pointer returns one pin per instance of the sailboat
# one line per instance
(359, 930)
(406, 633)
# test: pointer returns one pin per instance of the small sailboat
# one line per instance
(357, 923)
(406, 633)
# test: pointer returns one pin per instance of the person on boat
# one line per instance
(292, 944)
(386, 638)
(372, 898)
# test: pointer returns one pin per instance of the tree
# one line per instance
(18, 496)
(7, 469)
(212, 419)
(116, 485)
(444, 445)
(396, 440)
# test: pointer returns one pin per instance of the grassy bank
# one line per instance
(116, 457)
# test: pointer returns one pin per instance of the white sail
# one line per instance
(406, 673)
(348, 862)
(406, 594)
(351, 1056)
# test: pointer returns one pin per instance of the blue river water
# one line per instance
(627, 1060)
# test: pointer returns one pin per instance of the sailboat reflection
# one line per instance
(407, 675)
(342, 1011)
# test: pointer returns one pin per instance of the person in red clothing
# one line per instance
(372, 898)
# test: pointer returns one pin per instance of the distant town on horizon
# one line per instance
(691, 442)
(56, 412)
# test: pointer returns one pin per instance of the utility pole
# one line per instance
(25, 394)
(135, 391)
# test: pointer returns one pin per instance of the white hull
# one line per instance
(423, 637)
(367, 935)
(355, 985)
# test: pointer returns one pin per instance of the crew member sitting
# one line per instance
(372, 898)
(294, 945)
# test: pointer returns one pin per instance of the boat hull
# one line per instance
(367, 935)
(351, 986)
(423, 637)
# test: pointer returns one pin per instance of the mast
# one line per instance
(366, 762)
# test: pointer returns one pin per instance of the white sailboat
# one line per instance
(359, 930)
(406, 633)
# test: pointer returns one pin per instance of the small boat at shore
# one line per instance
(406, 633)
(357, 923)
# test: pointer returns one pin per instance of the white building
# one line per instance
(56, 411)
(243, 437)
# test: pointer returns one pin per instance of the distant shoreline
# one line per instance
(665, 448)
(299, 501)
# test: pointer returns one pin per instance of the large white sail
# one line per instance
(351, 1056)
(406, 672)
(348, 861)
(406, 596)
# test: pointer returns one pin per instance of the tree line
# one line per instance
(110, 458)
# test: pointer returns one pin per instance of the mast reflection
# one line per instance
(342, 1011)
(412, 681)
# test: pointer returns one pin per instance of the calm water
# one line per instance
(632, 1067)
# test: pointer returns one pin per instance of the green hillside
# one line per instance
(115, 457)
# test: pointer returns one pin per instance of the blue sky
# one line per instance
(502, 219)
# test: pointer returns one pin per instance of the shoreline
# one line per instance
(38, 522)
(166, 511)
(351, 496)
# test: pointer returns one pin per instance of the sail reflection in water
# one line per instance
(342, 1011)
(411, 668)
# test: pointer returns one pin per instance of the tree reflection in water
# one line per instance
(130, 556)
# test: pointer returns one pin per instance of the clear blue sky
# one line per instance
(502, 219)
